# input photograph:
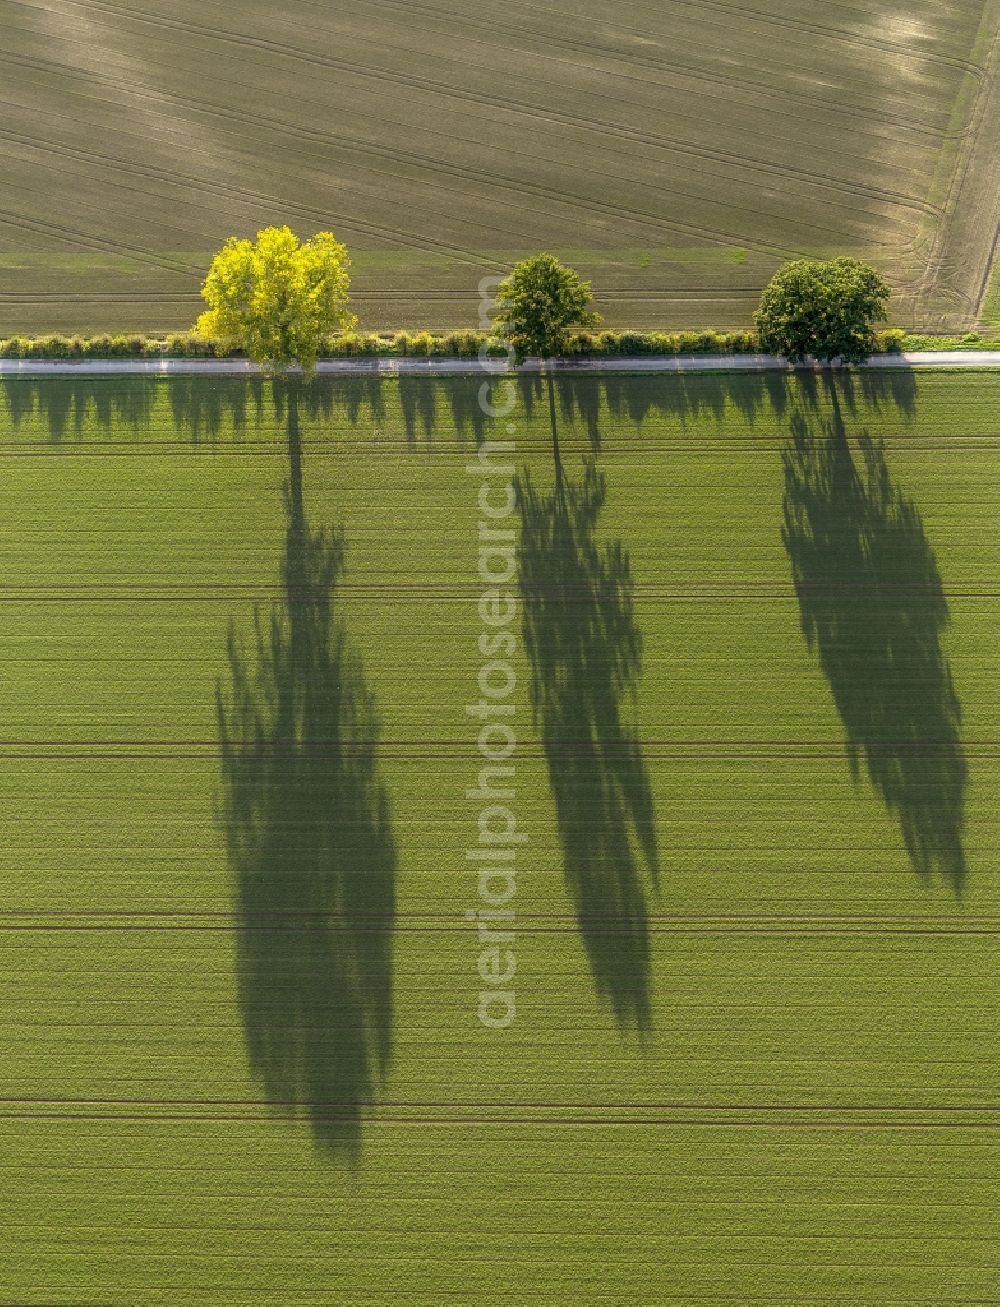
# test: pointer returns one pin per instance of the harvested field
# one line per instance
(675, 154)
(756, 914)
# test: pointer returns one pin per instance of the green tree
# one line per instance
(826, 310)
(538, 306)
(276, 298)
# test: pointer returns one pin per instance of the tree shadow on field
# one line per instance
(205, 409)
(309, 839)
(580, 402)
(362, 398)
(468, 415)
(585, 651)
(723, 405)
(890, 391)
(70, 405)
(201, 406)
(873, 607)
(418, 402)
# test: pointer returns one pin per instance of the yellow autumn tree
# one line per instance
(277, 298)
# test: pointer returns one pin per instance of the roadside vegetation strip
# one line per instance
(197, 1051)
(400, 344)
(461, 344)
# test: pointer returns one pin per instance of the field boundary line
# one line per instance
(971, 204)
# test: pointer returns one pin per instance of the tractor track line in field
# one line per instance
(976, 142)
(600, 209)
(195, 591)
(609, 929)
(852, 1109)
(701, 751)
(226, 191)
(241, 119)
(67, 443)
(784, 22)
(984, 284)
(750, 921)
(589, 124)
(381, 1118)
(687, 72)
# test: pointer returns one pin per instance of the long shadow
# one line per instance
(418, 403)
(310, 842)
(467, 414)
(200, 406)
(550, 388)
(126, 407)
(68, 405)
(202, 409)
(580, 404)
(696, 396)
(873, 608)
(889, 395)
(585, 654)
(362, 397)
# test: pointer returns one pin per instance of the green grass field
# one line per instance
(676, 153)
(755, 1051)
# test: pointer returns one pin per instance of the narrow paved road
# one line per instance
(455, 367)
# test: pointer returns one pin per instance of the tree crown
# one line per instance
(538, 305)
(277, 298)
(826, 310)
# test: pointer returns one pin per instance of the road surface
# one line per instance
(463, 367)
